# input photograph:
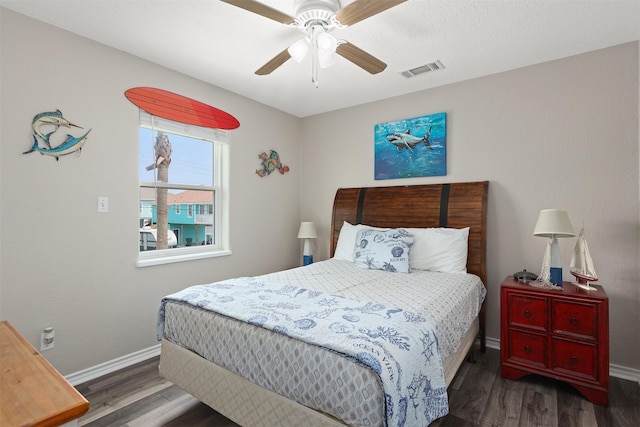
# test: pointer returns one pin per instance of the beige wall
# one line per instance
(66, 265)
(563, 134)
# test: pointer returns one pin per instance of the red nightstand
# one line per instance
(562, 334)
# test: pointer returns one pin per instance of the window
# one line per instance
(183, 189)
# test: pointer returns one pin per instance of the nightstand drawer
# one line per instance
(528, 311)
(529, 347)
(575, 358)
(571, 318)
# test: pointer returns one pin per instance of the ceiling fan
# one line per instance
(316, 19)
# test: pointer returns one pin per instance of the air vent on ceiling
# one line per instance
(426, 68)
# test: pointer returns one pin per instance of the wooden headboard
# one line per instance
(455, 205)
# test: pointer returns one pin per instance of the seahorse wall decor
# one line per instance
(54, 119)
(269, 163)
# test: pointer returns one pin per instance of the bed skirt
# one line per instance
(248, 404)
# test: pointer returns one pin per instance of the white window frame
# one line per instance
(220, 188)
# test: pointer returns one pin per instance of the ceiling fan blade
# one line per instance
(262, 10)
(361, 58)
(277, 61)
(363, 9)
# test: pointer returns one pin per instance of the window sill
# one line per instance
(170, 258)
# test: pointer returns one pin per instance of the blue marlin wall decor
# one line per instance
(70, 145)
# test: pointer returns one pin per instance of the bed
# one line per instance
(316, 386)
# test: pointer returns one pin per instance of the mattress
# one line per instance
(315, 377)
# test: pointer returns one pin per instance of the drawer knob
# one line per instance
(527, 314)
(527, 349)
(573, 360)
(573, 321)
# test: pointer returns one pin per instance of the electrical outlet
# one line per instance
(43, 345)
(47, 341)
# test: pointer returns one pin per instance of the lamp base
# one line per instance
(555, 276)
(307, 254)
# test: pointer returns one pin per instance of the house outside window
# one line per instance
(182, 168)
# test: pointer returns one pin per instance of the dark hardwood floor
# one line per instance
(138, 396)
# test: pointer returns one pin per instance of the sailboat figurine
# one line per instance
(581, 265)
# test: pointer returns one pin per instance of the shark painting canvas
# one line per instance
(411, 147)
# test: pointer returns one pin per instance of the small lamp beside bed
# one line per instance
(553, 223)
(307, 232)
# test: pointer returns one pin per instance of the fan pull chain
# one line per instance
(314, 56)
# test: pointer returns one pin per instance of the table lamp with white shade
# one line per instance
(307, 232)
(553, 223)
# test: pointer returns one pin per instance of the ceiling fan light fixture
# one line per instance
(299, 49)
(327, 44)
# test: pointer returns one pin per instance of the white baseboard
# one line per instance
(617, 371)
(493, 343)
(113, 365)
(139, 356)
(624, 373)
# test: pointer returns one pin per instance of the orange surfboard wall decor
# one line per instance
(171, 106)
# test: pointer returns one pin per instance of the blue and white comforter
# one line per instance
(400, 346)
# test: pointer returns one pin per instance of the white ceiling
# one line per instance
(224, 45)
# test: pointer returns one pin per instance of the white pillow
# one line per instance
(347, 240)
(439, 249)
(383, 250)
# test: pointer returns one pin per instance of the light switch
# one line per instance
(103, 204)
